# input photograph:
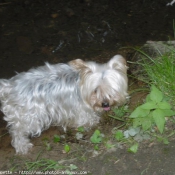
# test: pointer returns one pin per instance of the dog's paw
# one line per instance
(24, 148)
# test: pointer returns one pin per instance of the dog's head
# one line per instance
(103, 85)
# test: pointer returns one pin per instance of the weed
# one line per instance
(96, 137)
(163, 139)
(56, 138)
(81, 129)
(96, 147)
(45, 165)
(79, 134)
(130, 137)
(119, 135)
(159, 71)
(47, 145)
(66, 148)
(133, 148)
(118, 113)
(152, 112)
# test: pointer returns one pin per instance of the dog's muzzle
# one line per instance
(105, 106)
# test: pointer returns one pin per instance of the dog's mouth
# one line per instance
(106, 108)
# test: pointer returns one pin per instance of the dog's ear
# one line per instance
(118, 63)
(77, 64)
(81, 66)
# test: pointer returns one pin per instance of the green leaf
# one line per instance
(146, 123)
(164, 105)
(66, 148)
(109, 145)
(168, 112)
(119, 135)
(81, 129)
(159, 118)
(96, 137)
(97, 133)
(139, 112)
(56, 138)
(47, 144)
(148, 98)
(73, 167)
(96, 147)
(137, 122)
(133, 148)
(149, 105)
(165, 141)
(121, 111)
(156, 95)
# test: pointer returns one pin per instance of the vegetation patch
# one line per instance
(152, 112)
(159, 71)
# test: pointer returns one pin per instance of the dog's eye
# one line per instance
(95, 91)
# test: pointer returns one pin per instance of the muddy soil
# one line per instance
(34, 32)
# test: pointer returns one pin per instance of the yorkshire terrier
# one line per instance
(67, 95)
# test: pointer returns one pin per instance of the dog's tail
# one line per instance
(5, 88)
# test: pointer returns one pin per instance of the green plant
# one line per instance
(96, 147)
(119, 135)
(47, 144)
(159, 70)
(79, 134)
(152, 112)
(118, 113)
(96, 137)
(71, 168)
(133, 148)
(66, 148)
(45, 165)
(81, 129)
(56, 138)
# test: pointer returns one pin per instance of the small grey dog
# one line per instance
(73, 94)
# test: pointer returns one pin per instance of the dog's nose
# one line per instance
(105, 104)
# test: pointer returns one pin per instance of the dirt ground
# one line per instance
(34, 32)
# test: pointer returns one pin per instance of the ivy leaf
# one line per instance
(139, 112)
(156, 95)
(159, 118)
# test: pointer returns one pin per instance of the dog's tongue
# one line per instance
(106, 108)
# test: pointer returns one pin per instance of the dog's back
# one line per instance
(5, 87)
